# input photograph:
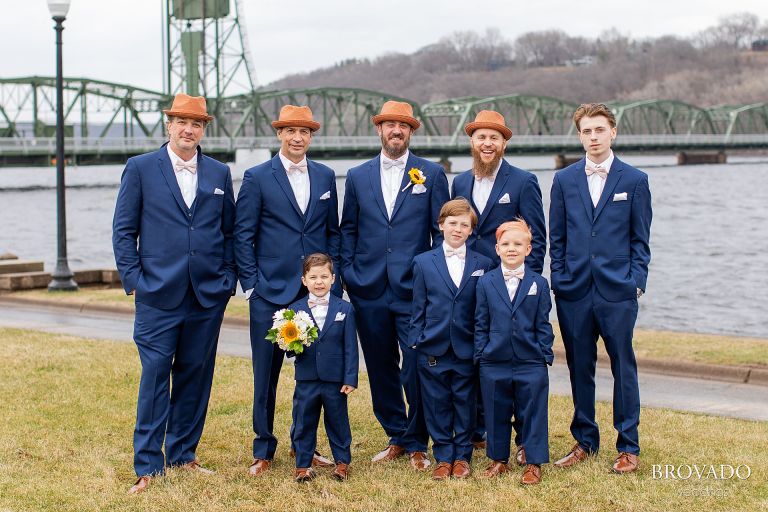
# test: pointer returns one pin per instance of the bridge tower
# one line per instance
(206, 49)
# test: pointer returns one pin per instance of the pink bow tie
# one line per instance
(388, 164)
(294, 168)
(320, 301)
(509, 274)
(461, 252)
(185, 166)
(597, 169)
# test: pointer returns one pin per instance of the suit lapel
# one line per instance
(522, 290)
(470, 265)
(498, 185)
(278, 171)
(497, 279)
(334, 305)
(374, 174)
(314, 189)
(166, 168)
(204, 186)
(438, 256)
(580, 177)
(614, 176)
(401, 195)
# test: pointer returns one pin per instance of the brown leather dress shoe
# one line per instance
(531, 474)
(626, 463)
(341, 472)
(461, 469)
(419, 461)
(304, 474)
(576, 455)
(442, 471)
(479, 445)
(141, 485)
(520, 455)
(495, 469)
(391, 452)
(318, 459)
(195, 466)
(258, 467)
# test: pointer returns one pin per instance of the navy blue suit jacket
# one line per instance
(608, 243)
(524, 201)
(444, 314)
(333, 356)
(507, 330)
(161, 246)
(272, 236)
(376, 250)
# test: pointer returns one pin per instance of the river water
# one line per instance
(709, 237)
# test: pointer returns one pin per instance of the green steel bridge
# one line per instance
(107, 122)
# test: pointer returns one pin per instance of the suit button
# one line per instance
(593, 256)
(594, 233)
(191, 228)
(189, 215)
(479, 237)
(389, 227)
(191, 253)
(389, 250)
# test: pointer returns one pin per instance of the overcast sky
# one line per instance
(120, 41)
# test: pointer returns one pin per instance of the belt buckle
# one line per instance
(431, 361)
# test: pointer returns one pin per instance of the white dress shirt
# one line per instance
(391, 179)
(320, 312)
(514, 282)
(595, 182)
(299, 181)
(187, 181)
(481, 190)
(455, 264)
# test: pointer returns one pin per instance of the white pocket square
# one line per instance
(325, 196)
(620, 197)
(533, 290)
(218, 192)
(477, 273)
(419, 189)
(339, 317)
(504, 199)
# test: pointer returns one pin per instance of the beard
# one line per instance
(392, 151)
(482, 169)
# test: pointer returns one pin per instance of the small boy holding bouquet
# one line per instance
(321, 332)
(513, 344)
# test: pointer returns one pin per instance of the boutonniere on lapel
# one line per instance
(417, 180)
(292, 330)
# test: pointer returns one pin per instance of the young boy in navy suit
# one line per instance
(442, 331)
(326, 372)
(513, 344)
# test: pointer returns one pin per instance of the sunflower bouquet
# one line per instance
(292, 330)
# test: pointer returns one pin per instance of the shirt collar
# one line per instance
(287, 163)
(520, 268)
(404, 156)
(327, 296)
(176, 158)
(446, 247)
(605, 164)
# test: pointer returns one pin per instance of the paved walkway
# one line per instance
(680, 393)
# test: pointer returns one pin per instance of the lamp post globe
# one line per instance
(62, 277)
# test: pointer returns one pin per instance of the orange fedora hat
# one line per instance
(291, 115)
(191, 107)
(489, 119)
(397, 111)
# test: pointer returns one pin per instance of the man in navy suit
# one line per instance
(391, 207)
(499, 192)
(326, 372)
(172, 236)
(599, 229)
(287, 208)
(442, 329)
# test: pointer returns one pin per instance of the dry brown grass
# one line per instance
(65, 444)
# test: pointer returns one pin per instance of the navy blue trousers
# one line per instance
(177, 348)
(383, 325)
(520, 388)
(267, 359)
(309, 397)
(581, 322)
(449, 394)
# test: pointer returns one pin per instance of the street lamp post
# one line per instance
(62, 277)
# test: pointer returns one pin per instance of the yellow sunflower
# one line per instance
(289, 332)
(416, 177)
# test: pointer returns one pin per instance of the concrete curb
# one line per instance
(739, 374)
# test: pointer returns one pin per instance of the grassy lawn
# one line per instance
(68, 412)
(699, 348)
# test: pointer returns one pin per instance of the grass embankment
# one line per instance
(66, 430)
(668, 345)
